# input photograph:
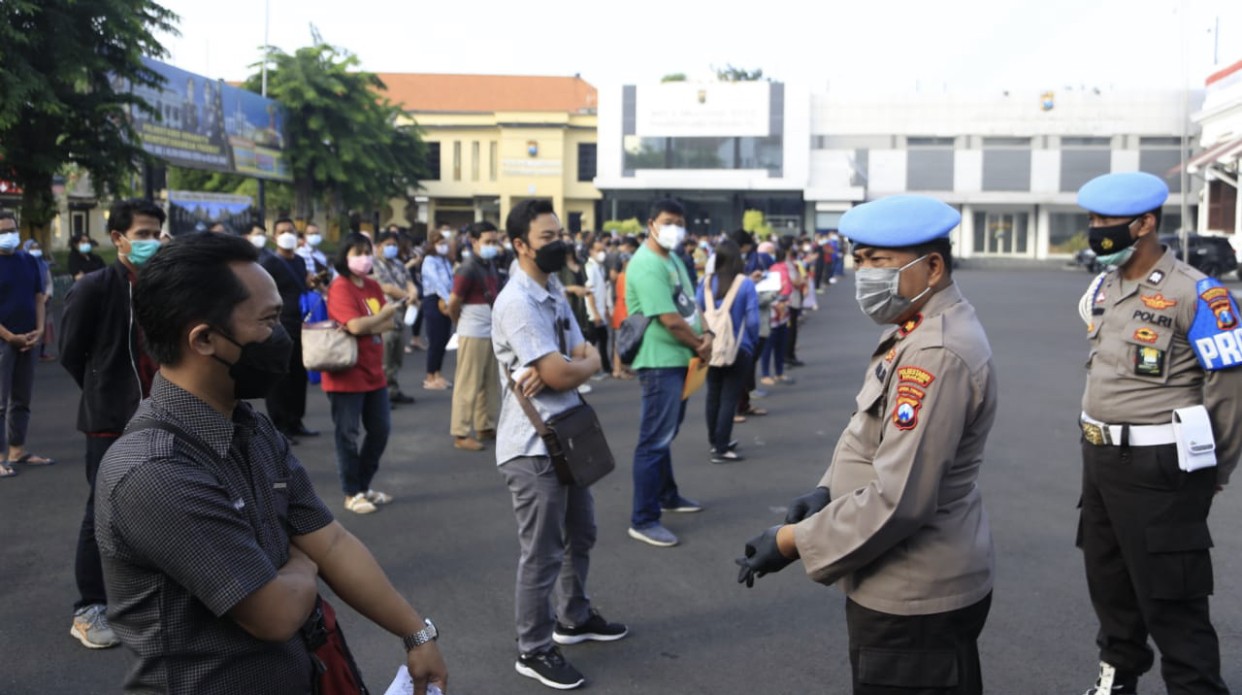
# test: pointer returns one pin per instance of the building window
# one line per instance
(705, 153)
(1159, 155)
(457, 160)
(474, 161)
(929, 164)
(1067, 232)
(1001, 233)
(586, 161)
(433, 161)
(1222, 208)
(493, 160)
(1082, 159)
(1006, 164)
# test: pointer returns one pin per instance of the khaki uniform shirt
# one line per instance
(906, 532)
(1142, 367)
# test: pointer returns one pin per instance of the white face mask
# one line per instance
(442, 249)
(287, 241)
(670, 236)
(314, 239)
(259, 241)
(601, 257)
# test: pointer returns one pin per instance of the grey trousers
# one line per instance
(394, 357)
(16, 387)
(556, 530)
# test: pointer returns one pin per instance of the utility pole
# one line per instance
(1184, 177)
(267, 16)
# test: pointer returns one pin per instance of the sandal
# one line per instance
(31, 460)
(768, 381)
(738, 419)
(752, 410)
(7, 471)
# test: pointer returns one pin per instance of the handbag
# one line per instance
(335, 671)
(574, 438)
(630, 337)
(328, 347)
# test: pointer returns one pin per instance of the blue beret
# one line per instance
(1123, 195)
(899, 220)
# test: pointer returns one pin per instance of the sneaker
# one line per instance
(1110, 683)
(377, 498)
(600, 376)
(728, 456)
(656, 535)
(584, 389)
(595, 629)
(759, 394)
(550, 668)
(359, 504)
(90, 626)
(467, 444)
(683, 505)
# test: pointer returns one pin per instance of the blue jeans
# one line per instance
(774, 350)
(351, 412)
(662, 413)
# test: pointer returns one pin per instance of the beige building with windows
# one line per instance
(493, 141)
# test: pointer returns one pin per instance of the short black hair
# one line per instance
(8, 215)
(189, 281)
(741, 237)
(478, 229)
(253, 226)
(517, 224)
(284, 220)
(121, 216)
(353, 240)
(630, 241)
(668, 205)
(385, 236)
(1158, 213)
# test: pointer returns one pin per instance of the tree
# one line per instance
(342, 142)
(674, 77)
(731, 74)
(754, 222)
(64, 65)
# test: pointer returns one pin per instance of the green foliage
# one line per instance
(63, 68)
(630, 227)
(1073, 244)
(733, 74)
(279, 195)
(674, 77)
(754, 222)
(342, 143)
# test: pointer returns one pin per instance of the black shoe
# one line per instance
(791, 362)
(729, 456)
(1113, 682)
(550, 668)
(595, 629)
(401, 398)
(302, 431)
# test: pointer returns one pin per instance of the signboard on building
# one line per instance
(712, 109)
(207, 124)
(190, 211)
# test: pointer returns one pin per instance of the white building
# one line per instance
(1012, 162)
(1218, 163)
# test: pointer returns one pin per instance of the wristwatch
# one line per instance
(423, 636)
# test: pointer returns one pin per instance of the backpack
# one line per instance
(720, 321)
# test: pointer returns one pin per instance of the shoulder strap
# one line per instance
(727, 304)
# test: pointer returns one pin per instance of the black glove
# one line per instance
(807, 505)
(762, 557)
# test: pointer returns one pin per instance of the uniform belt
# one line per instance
(1103, 434)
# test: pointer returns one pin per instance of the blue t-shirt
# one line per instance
(20, 281)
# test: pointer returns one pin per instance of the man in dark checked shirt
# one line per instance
(212, 538)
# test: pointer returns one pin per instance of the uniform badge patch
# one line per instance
(1106, 244)
(891, 354)
(906, 409)
(1158, 301)
(1155, 277)
(1215, 335)
(1148, 361)
(1146, 335)
(919, 376)
(909, 326)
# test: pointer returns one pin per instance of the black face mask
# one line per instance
(551, 257)
(260, 364)
(1109, 240)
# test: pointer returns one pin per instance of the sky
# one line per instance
(875, 45)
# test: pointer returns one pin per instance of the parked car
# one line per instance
(1212, 255)
(1086, 259)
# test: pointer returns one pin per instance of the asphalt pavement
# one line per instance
(448, 542)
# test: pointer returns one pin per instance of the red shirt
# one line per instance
(347, 301)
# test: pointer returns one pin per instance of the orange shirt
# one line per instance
(619, 311)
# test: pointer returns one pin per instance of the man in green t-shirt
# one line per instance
(658, 287)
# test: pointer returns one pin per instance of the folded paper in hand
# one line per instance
(404, 685)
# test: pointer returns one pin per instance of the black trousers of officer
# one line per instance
(1144, 536)
(936, 654)
(286, 402)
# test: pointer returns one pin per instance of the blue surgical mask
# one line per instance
(84, 248)
(9, 241)
(488, 252)
(37, 253)
(390, 252)
(141, 251)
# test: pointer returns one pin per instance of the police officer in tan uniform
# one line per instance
(903, 532)
(1165, 349)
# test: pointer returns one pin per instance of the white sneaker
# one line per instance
(359, 504)
(90, 627)
(585, 388)
(377, 498)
